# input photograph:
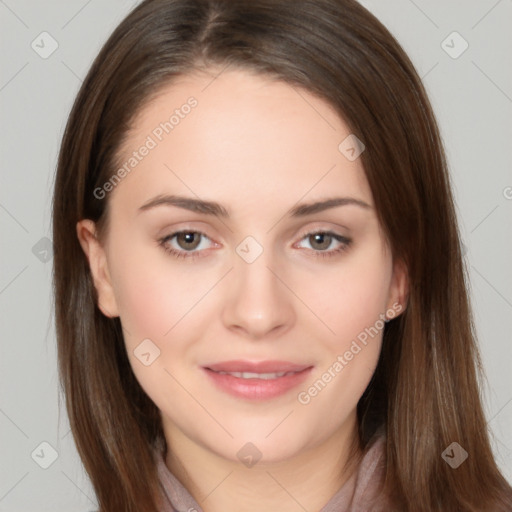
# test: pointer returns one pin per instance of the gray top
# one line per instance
(359, 493)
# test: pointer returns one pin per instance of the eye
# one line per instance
(186, 243)
(321, 241)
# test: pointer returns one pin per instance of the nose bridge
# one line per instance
(258, 301)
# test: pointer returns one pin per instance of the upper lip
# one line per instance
(257, 366)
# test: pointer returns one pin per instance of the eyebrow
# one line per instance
(216, 209)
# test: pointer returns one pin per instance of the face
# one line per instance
(254, 277)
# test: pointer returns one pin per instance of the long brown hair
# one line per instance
(425, 392)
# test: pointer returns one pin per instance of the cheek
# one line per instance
(154, 294)
(160, 302)
(350, 356)
(353, 307)
(145, 305)
(351, 296)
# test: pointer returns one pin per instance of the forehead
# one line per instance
(238, 137)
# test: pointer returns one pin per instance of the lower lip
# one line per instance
(257, 389)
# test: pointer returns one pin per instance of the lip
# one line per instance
(253, 388)
(240, 365)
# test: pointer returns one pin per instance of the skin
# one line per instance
(257, 146)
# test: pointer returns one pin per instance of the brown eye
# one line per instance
(320, 241)
(188, 240)
(326, 243)
(186, 244)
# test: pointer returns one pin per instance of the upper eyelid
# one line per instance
(318, 226)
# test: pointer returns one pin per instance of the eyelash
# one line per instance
(196, 254)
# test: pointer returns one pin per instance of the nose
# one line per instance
(258, 303)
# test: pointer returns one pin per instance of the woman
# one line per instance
(260, 294)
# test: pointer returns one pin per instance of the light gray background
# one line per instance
(471, 96)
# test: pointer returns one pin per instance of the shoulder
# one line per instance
(363, 490)
(174, 495)
(369, 481)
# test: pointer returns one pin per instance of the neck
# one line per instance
(307, 481)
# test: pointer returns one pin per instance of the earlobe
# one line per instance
(399, 289)
(98, 265)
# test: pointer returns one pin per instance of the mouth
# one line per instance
(250, 375)
(235, 379)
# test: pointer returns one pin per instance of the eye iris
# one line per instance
(323, 239)
(188, 238)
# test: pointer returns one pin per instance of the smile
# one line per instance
(256, 386)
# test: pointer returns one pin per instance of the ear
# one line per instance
(398, 290)
(95, 253)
